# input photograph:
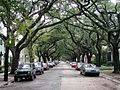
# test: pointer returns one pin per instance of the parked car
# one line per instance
(50, 64)
(25, 71)
(89, 69)
(73, 64)
(53, 63)
(45, 66)
(67, 61)
(39, 68)
(56, 62)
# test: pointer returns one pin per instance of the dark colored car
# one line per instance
(25, 71)
(39, 68)
(89, 69)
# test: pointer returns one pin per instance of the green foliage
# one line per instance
(108, 63)
(22, 26)
(106, 68)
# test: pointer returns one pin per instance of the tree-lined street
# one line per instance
(63, 77)
(37, 35)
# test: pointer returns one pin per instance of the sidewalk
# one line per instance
(3, 83)
(111, 76)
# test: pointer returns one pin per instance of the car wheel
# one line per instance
(80, 72)
(84, 73)
(97, 74)
(31, 77)
(15, 79)
(40, 72)
(34, 76)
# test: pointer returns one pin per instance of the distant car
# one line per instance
(25, 71)
(78, 66)
(89, 69)
(39, 68)
(67, 61)
(53, 63)
(56, 62)
(73, 64)
(50, 64)
(45, 66)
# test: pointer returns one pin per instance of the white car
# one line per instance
(50, 64)
(39, 68)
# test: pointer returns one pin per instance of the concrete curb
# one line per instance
(108, 77)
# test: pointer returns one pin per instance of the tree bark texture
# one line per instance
(116, 61)
(6, 64)
(15, 61)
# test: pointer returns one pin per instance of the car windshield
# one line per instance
(24, 66)
(90, 66)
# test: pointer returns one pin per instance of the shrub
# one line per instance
(93, 62)
(108, 63)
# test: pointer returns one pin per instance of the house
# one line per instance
(2, 51)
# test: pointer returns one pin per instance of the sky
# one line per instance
(114, 1)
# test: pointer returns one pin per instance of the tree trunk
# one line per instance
(39, 58)
(78, 57)
(47, 56)
(16, 55)
(83, 55)
(115, 54)
(89, 56)
(44, 58)
(98, 57)
(6, 64)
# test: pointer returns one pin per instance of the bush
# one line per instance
(106, 68)
(93, 62)
(108, 63)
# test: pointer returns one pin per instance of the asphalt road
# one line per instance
(63, 77)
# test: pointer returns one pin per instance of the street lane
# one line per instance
(50, 80)
(73, 80)
(63, 77)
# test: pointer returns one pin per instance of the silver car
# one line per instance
(39, 68)
(89, 69)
